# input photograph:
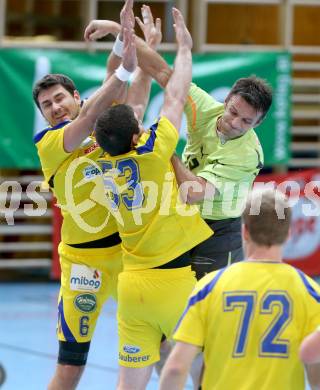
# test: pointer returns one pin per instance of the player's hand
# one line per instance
(126, 16)
(151, 31)
(183, 36)
(129, 58)
(97, 29)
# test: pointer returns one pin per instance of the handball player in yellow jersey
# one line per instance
(90, 252)
(157, 229)
(251, 317)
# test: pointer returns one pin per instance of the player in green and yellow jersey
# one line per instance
(250, 318)
(156, 228)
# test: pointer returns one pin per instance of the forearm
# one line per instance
(113, 62)
(152, 63)
(313, 375)
(102, 98)
(193, 189)
(177, 367)
(182, 173)
(172, 380)
(115, 57)
(148, 59)
(139, 92)
(179, 83)
(83, 125)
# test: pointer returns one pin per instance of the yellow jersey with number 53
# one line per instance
(75, 179)
(250, 318)
(154, 225)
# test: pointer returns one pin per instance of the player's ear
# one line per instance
(245, 233)
(135, 139)
(289, 233)
(260, 120)
(76, 96)
(226, 101)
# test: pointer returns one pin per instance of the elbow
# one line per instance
(176, 370)
(305, 356)
(172, 375)
(309, 357)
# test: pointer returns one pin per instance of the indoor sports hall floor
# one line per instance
(28, 346)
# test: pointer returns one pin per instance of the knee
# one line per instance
(71, 371)
(66, 377)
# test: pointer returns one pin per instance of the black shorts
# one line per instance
(223, 248)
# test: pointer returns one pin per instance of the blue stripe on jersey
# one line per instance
(201, 294)
(149, 145)
(64, 326)
(38, 137)
(310, 289)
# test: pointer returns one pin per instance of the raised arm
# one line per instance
(82, 126)
(139, 91)
(148, 60)
(95, 30)
(177, 88)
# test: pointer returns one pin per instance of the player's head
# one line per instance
(266, 218)
(57, 98)
(117, 129)
(245, 106)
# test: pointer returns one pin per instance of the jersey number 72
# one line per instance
(274, 303)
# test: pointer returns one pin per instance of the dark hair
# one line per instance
(255, 91)
(267, 217)
(114, 129)
(49, 81)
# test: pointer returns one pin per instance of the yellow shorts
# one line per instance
(88, 278)
(150, 303)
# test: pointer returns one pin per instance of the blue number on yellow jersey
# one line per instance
(250, 319)
(154, 225)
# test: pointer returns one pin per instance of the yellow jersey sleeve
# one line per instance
(161, 139)
(312, 304)
(191, 327)
(50, 150)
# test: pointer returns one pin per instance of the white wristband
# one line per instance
(122, 73)
(118, 47)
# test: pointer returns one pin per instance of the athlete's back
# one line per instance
(154, 224)
(251, 319)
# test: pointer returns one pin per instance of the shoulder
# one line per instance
(49, 131)
(311, 287)
(207, 284)
(165, 125)
(160, 134)
(199, 95)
